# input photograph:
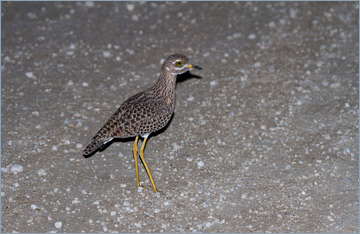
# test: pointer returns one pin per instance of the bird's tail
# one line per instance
(95, 144)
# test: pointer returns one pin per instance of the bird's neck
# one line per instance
(165, 88)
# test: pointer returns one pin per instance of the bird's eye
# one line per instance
(178, 63)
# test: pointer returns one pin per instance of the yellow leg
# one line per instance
(141, 154)
(135, 160)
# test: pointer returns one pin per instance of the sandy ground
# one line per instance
(264, 138)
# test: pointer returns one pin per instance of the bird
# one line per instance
(144, 113)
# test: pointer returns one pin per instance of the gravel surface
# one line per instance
(264, 138)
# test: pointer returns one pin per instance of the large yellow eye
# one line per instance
(178, 63)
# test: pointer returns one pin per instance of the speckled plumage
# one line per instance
(145, 112)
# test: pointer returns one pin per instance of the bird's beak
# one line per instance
(191, 66)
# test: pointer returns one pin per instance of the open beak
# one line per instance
(191, 66)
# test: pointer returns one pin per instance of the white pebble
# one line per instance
(29, 75)
(85, 84)
(106, 54)
(200, 164)
(41, 172)
(75, 201)
(89, 4)
(191, 98)
(335, 85)
(130, 7)
(252, 36)
(70, 82)
(16, 168)
(79, 146)
(5, 169)
(54, 148)
(257, 64)
(213, 83)
(33, 206)
(58, 224)
(140, 189)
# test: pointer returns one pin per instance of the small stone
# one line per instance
(335, 85)
(135, 17)
(200, 164)
(252, 36)
(75, 201)
(29, 75)
(89, 4)
(69, 83)
(41, 172)
(58, 224)
(106, 54)
(130, 7)
(257, 64)
(16, 168)
(213, 83)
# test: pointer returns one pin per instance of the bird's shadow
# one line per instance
(180, 78)
(186, 76)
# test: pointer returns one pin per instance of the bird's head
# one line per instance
(177, 64)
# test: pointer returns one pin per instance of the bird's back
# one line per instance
(139, 115)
